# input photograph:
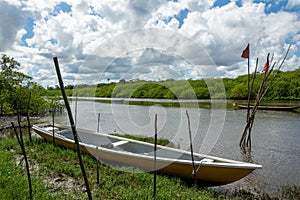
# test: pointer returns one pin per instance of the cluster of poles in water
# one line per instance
(269, 72)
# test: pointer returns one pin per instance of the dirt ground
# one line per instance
(6, 126)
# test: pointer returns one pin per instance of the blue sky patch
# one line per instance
(29, 28)
(220, 3)
(62, 7)
(272, 6)
(93, 12)
(181, 16)
(53, 41)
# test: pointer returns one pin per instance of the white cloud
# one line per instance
(293, 3)
(95, 35)
(11, 22)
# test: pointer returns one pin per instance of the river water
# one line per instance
(216, 131)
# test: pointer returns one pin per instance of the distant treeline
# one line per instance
(286, 85)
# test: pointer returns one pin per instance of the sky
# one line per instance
(97, 41)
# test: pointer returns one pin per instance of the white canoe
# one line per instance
(106, 148)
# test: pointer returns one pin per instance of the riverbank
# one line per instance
(57, 178)
(5, 123)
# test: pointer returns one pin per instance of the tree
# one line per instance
(15, 87)
(8, 78)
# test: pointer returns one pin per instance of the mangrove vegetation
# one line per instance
(18, 93)
(286, 86)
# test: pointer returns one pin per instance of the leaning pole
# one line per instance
(73, 127)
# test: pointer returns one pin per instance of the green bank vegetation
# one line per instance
(285, 86)
(17, 89)
(56, 174)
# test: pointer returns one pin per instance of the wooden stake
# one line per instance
(76, 108)
(98, 123)
(27, 116)
(249, 90)
(53, 127)
(191, 146)
(97, 165)
(21, 143)
(246, 141)
(262, 91)
(73, 127)
(155, 146)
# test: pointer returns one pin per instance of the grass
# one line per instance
(56, 175)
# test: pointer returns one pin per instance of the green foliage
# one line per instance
(16, 89)
(151, 90)
(125, 90)
(105, 90)
(286, 85)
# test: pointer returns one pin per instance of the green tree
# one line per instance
(16, 89)
(10, 78)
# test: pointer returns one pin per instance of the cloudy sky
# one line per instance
(150, 40)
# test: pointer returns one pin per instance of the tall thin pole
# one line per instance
(249, 90)
(73, 126)
(97, 164)
(27, 115)
(53, 127)
(98, 123)
(191, 145)
(21, 143)
(76, 108)
(155, 146)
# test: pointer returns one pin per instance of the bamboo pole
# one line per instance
(191, 146)
(76, 108)
(98, 123)
(262, 91)
(249, 90)
(53, 128)
(246, 141)
(248, 114)
(73, 127)
(243, 141)
(155, 146)
(97, 158)
(21, 143)
(27, 116)
(97, 165)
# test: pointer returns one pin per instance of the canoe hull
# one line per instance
(276, 108)
(208, 172)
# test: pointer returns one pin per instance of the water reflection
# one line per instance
(246, 154)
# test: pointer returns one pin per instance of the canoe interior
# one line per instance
(107, 141)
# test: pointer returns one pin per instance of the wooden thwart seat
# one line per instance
(121, 142)
(207, 160)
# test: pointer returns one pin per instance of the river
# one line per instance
(275, 135)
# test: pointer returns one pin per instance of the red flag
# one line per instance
(266, 67)
(246, 52)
